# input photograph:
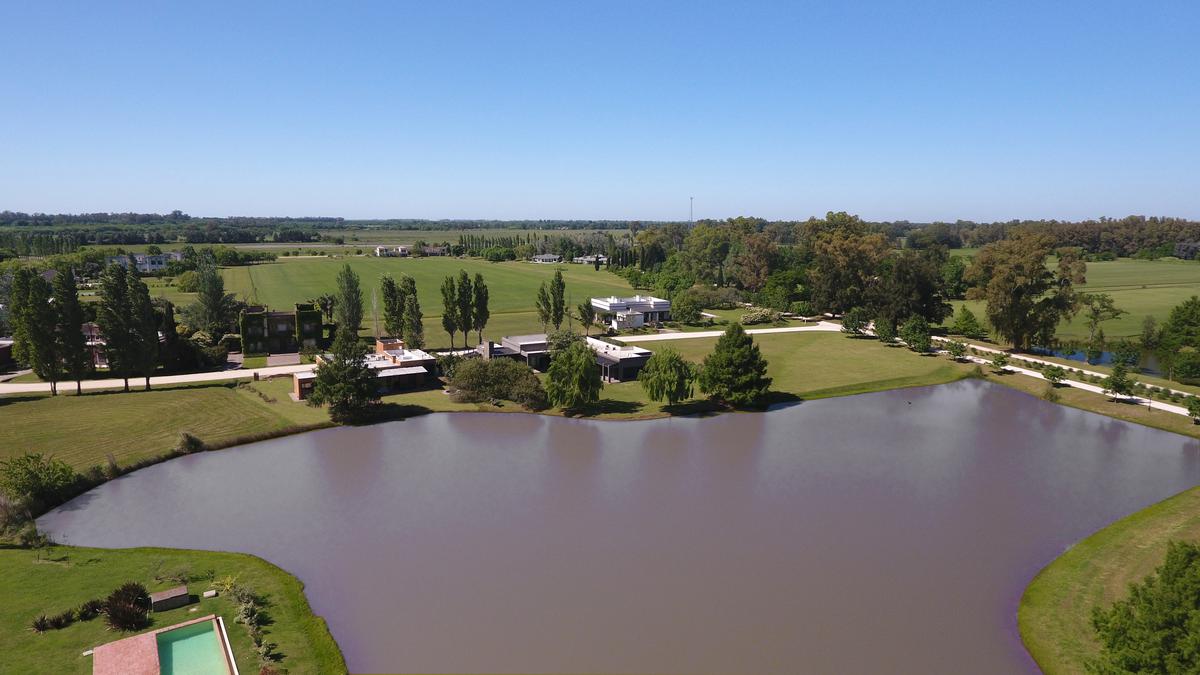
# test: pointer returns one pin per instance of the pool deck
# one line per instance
(138, 655)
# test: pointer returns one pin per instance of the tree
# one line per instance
(1098, 308)
(911, 285)
(915, 333)
(1025, 299)
(885, 330)
(1127, 352)
(143, 328)
(845, 265)
(480, 312)
(18, 304)
(544, 307)
(413, 330)
(394, 303)
(464, 297)
(344, 382)
(113, 319)
(558, 301)
(573, 378)
(1118, 383)
(957, 349)
(450, 309)
(667, 376)
(68, 329)
(1054, 374)
(966, 324)
(586, 314)
(214, 310)
(349, 302)
(685, 308)
(326, 302)
(1154, 628)
(559, 340)
(855, 321)
(40, 318)
(735, 373)
(1193, 408)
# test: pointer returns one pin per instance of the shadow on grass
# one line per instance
(604, 407)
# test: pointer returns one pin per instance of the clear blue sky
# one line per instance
(892, 110)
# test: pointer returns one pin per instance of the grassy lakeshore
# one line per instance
(1054, 617)
(63, 577)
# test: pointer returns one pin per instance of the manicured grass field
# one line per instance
(1140, 287)
(82, 430)
(513, 287)
(1054, 616)
(63, 577)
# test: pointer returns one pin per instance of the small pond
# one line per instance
(889, 532)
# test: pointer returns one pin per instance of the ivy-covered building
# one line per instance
(272, 332)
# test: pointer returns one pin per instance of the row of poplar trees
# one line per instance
(48, 320)
(464, 306)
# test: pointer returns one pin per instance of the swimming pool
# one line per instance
(194, 649)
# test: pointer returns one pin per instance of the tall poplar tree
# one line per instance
(143, 328)
(393, 306)
(113, 318)
(18, 301)
(543, 305)
(481, 313)
(72, 345)
(41, 321)
(558, 300)
(414, 331)
(450, 308)
(465, 301)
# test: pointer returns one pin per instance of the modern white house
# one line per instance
(546, 258)
(619, 363)
(590, 259)
(146, 263)
(392, 251)
(632, 312)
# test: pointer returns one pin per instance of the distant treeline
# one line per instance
(1129, 236)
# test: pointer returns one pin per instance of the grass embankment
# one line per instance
(1141, 287)
(63, 577)
(1055, 612)
(802, 365)
(83, 430)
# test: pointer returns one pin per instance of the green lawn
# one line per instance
(1140, 287)
(64, 577)
(1055, 611)
(81, 430)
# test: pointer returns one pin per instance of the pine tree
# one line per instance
(344, 382)
(113, 318)
(735, 372)
(480, 311)
(464, 297)
(450, 309)
(72, 345)
(143, 327)
(18, 312)
(41, 321)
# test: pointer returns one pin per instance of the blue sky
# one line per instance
(892, 110)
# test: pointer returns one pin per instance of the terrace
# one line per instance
(196, 647)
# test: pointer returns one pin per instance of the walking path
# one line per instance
(821, 326)
(140, 383)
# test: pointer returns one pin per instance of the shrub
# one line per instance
(915, 333)
(41, 624)
(802, 308)
(1050, 394)
(759, 315)
(127, 608)
(999, 361)
(885, 330)
(478, 380)
(957, 349)
(90, 609)
(1054, 374)
(59, 621)
(37, 480)
(855, 321)
(188, 444)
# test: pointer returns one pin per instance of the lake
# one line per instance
(888, 532)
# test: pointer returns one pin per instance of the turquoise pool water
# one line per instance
(191, 650)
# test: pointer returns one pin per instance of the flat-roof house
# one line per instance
(395, 369)
(632, 312)
(392, 251)
(590, 259)
(435, 250)
(272, 332)
(546, 258)
(6, 358)
(146, 263)
(533, 349)
(619, 363)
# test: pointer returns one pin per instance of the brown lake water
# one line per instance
(882, 533)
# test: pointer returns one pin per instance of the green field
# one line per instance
(62, 577)
(513, 287)
(1140, 287)
(1055, 611)
(82, 430)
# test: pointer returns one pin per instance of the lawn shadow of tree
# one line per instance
(605, 406)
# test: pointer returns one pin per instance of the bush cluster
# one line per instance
(760, 315)
(480, 380)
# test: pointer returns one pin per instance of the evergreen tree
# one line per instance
(735, 372)
(214, 310)
(544, 310)
(464, 297)
(143, 327)
(558, 301)
(450, 308)
(344, 382)
(915, 333)
(966, 324)
(587, 315)
(40, 330)
(573, 378)
(393, 307)
(113, 318)
(480, 311)
(18, 301)
(414, 331)
(72, 345)
(667, 376)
